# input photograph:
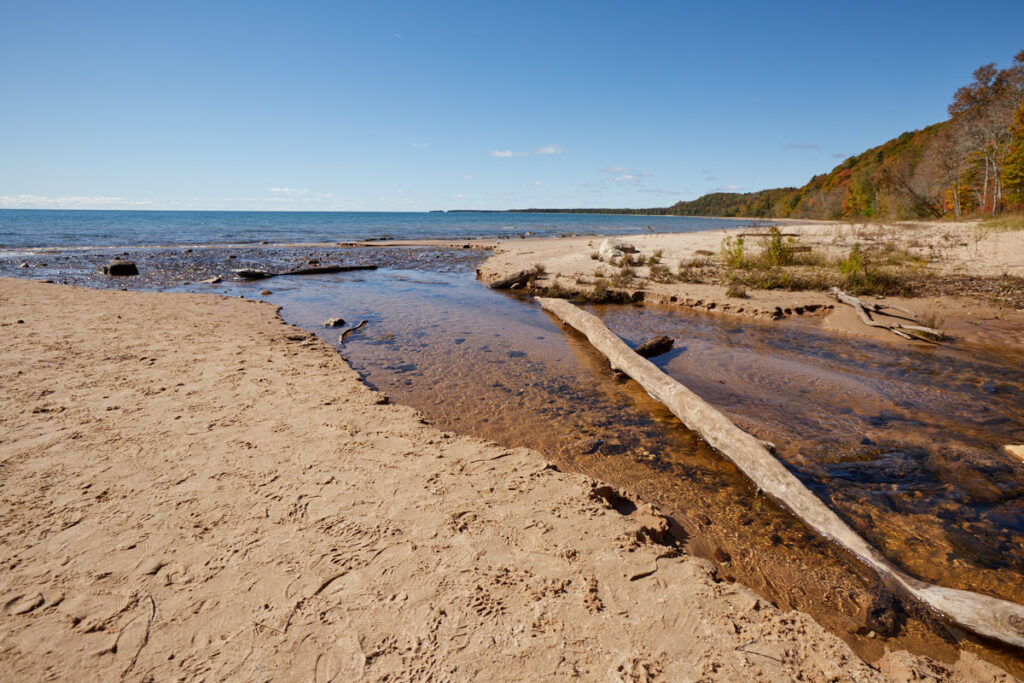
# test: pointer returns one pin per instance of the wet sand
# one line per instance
(193, 489)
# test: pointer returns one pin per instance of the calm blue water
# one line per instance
(23, 228)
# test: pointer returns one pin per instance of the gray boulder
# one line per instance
(612, 249)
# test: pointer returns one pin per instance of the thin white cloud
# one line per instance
(458, 196)
(537, 183)
(549, 149)
(77, 201)
(674, 193)
(467, 177)
(614, 169)
(727, 188)
(287, 190)
(506, 153)
(635, 178)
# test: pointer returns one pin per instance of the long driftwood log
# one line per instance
(982, 614)
(251, 274)
(905, 331)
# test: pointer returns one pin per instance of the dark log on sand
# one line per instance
(982, 614)
(250, 274)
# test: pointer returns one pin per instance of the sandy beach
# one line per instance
(951, 252)
(193, 489)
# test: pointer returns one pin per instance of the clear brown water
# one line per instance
(903, 442)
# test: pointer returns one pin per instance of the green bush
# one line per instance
(775, 252)
(732, 252)
(853, 264)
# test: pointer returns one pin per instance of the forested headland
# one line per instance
(968, 165)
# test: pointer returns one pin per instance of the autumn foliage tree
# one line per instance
(1013, 165)
(971, 163)
(982, 113)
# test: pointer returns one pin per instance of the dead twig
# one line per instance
(743, 648)
(145, 636)
(272, 628)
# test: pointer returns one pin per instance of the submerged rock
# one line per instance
(119, 268)
(333, 322)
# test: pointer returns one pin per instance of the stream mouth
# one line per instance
(903, 442)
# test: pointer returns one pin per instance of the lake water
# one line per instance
(21, 229)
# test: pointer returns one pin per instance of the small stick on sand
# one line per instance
(982, 614)
(145, 636)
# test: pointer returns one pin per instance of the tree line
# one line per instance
(970, 164)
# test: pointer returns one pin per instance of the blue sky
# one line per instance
(407, 106)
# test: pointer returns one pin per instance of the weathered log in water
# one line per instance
(320, 270)
(983, 614)
(655, 347)
(252, 274)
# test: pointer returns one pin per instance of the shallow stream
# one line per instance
(902, 441)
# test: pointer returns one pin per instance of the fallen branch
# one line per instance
(982, 614)
(897, 328)
(251, 274)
